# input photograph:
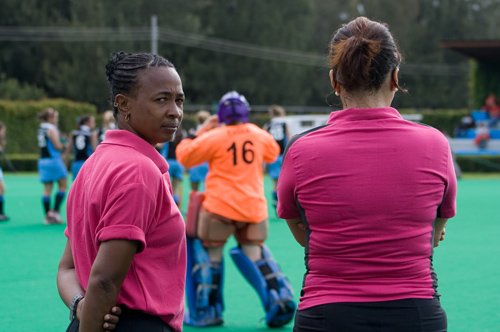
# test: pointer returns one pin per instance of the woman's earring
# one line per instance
(337, 93)
(115, 104)
(127, 117)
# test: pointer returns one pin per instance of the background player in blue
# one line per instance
(278, 128)
(82, 142)
(3, 141)
(176, 170)
(51, 167)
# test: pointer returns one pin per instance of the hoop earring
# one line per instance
(115, 104)
(326, 99)
(127, 117)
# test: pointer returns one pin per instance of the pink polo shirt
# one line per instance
(123, 192)
(369, 186)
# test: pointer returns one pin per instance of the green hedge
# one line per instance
(20, 117)
(443, 119)
(21, 162)
(479, 164)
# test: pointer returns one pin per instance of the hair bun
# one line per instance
(111, 66)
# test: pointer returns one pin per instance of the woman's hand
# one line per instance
(441, 238)
(439, 230)
(210, 123)
(110, 320)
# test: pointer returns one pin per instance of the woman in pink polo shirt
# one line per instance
(126, 249)
(368, 195)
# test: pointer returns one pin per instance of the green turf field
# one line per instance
(467, 263)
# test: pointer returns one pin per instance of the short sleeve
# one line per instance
(447, 209)
(129, 213)
(287, 183)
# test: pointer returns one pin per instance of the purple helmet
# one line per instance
(233, 107)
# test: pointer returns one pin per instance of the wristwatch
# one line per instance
(74, 305)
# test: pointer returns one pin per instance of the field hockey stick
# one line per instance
(7, 161)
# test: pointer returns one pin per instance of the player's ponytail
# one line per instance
(362, 54)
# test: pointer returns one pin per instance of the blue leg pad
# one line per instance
(272, 287)
(204, 281)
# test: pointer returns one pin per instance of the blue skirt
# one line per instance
(51, 169)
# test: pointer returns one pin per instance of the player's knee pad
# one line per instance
(271, 285)
(204, 281)
(193, 212)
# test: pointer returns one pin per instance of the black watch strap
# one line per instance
(74, 305)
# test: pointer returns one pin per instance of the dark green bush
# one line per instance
(479, 164)
(22, 149)
(20, 162)
(20, 118)
(444, 120)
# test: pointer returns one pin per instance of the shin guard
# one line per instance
(271, 285)
(193, 211)
(204, 281)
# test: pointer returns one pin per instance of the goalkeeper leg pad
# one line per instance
(204, 281)
(271, 285)
(193, 211)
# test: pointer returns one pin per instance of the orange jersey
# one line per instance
(234, 183)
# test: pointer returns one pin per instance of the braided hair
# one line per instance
(123, 69)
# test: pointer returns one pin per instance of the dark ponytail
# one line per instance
(362, 53)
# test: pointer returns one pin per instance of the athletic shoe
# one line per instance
(46, 221)
(50, 218)
(57, 218)
(4, 217)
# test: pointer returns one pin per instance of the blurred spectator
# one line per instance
(108, 123)
(482, 135)
(198, 173)
(465, 124)
(493, 109)
(176, 170)
(281, 134)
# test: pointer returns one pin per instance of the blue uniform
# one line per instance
(82, 148)
(50, 165)
(277, 128)
(198, 173)
(176, 170)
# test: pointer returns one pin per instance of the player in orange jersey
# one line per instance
(234, 204)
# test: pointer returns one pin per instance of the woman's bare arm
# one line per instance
(106, 277)
(298, 230)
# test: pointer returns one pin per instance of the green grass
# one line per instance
(466, 263)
